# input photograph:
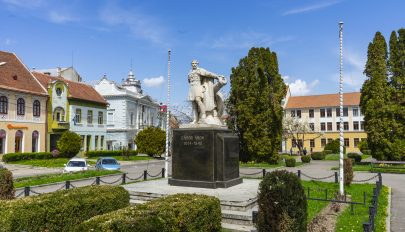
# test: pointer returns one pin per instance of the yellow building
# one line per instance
(322, 112)
(22, 108)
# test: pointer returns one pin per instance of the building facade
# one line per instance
(322, 112)
(22, 108)
(76, 107)
(129, 111)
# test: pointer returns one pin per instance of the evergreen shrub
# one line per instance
(290, 162)
(151, 141)
(6, 184)
(91, 154)
(356, 157)
(61, 210)
(180, 212)
(306, 159)
(334, 146)
(348, 171)
(9, 157)
(69, 144)
(281, 196)
(327, 152)
(318, 156)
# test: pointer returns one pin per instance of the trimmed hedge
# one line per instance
(306, 159)
(62, 210)
(27, 156)
(180, 212)
(327, 152)
(356, 157)
(290, 162)
(91, 154)
(318, 156)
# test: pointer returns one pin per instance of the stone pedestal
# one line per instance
(205, 158)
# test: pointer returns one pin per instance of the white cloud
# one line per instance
(309, 8)
(244, 40)
(300, 87)
(154, 81)
(141, 25)
(353, 67)
(57, 17)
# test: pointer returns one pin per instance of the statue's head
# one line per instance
(194, 64)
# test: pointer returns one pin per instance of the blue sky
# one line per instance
(104, 36)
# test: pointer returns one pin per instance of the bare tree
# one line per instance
(296, 129)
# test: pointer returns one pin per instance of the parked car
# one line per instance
(76, 165)
(107, 163)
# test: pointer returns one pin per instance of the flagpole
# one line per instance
(167, 116)
(341, 171)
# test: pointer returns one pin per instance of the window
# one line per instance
(36, 108)
(78, 115)
(300, 142)
(299, 113)
(337, 112)
(3, 105)
(355, 125)
(347, 144)
(345, 126)
(58, 91)
(356, 141)
(355, 112)
(329, 112)
(322, 113)
(35, 136)
(323, 142)
(59, 114)
(20, 106)
(323, 126)
(312, 143)
(329, 126)
(110, 118)
(345, 111)
(312, 126)
(132, 118)
(330, 140)
(293, 143)
(100, 118)
(3, 136)
(292, 113)
(102, 142)
(362, 125)
(311, 113)
(18, 141)
(96, 142)
(89, 116)
(338, 126)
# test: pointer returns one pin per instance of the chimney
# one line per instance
(59, 71)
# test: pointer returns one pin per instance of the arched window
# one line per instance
(59, 114)
(3, 105)
(18, 141)
(35, 139)
(20, 106)
(2, 141)
(36, 108)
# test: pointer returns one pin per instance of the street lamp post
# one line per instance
(167, 116)
(341, 172)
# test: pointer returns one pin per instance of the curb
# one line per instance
(388, 218)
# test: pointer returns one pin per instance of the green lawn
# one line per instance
(399, 169)
(337, 157)
(48, 163)
(348, 221)
(53, 178)
(265, 165)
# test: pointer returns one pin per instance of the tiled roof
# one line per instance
(14, 75)
(77, 90)
(324, 100)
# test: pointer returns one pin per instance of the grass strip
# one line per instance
(47, 163)
(54, 178)
(130, 158)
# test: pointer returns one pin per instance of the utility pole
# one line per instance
(341, 172)
(167, 116)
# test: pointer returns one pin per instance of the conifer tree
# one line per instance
(254, 105)
(375, 98)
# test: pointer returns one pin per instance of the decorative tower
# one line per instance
(132, 84)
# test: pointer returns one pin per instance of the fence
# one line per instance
(27, 191)
(369, 225)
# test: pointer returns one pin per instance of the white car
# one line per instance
(76, 165)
